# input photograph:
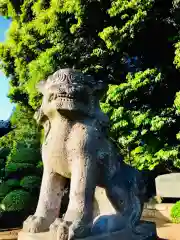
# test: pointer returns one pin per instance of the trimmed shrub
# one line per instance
(19, 170)
(8, 186)
(4, 190)
(31, 183)
(17, 201)
(25, 155)
(175, 212)
(13, 183)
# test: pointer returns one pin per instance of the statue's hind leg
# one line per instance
(118, 197)
(124, 197)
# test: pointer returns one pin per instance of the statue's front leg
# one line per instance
(47, 211)
(80, 208)
(78, 217)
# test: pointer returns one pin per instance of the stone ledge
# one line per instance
(159, 211)
(158, 206)
(147, 228)
(167, 185)
(33, 236)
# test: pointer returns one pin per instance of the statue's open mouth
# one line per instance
(71, 97)
(64, 96)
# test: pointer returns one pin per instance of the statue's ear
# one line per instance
(41, 87)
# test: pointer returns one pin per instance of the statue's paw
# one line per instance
(79, 229)
(63, 230)
(35, 224)
(59, 229)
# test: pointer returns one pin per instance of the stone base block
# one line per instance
(147, 231)
(34, 236)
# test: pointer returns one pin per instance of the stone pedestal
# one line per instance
(146, 231)
(33, 236)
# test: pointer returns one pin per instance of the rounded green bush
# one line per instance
(175, 212)
(4, 189)
(8, 186)
(13, 183)
(19, 169)
(25, 155)
(30, 183)
(17, 200)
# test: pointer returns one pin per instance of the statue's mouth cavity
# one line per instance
(67, 96)
(70, 97)
(64, 96)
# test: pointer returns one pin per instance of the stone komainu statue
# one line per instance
(76, 146)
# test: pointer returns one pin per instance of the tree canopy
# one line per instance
(93, 36)
(134, 44)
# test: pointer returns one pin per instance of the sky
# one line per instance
(5, 105)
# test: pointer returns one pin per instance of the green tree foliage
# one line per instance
(146, 136)
(144, 109)
(48, 34)
(133, 43)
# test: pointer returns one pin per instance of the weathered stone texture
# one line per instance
(76, 146)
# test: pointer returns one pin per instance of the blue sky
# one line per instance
(5, 105)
